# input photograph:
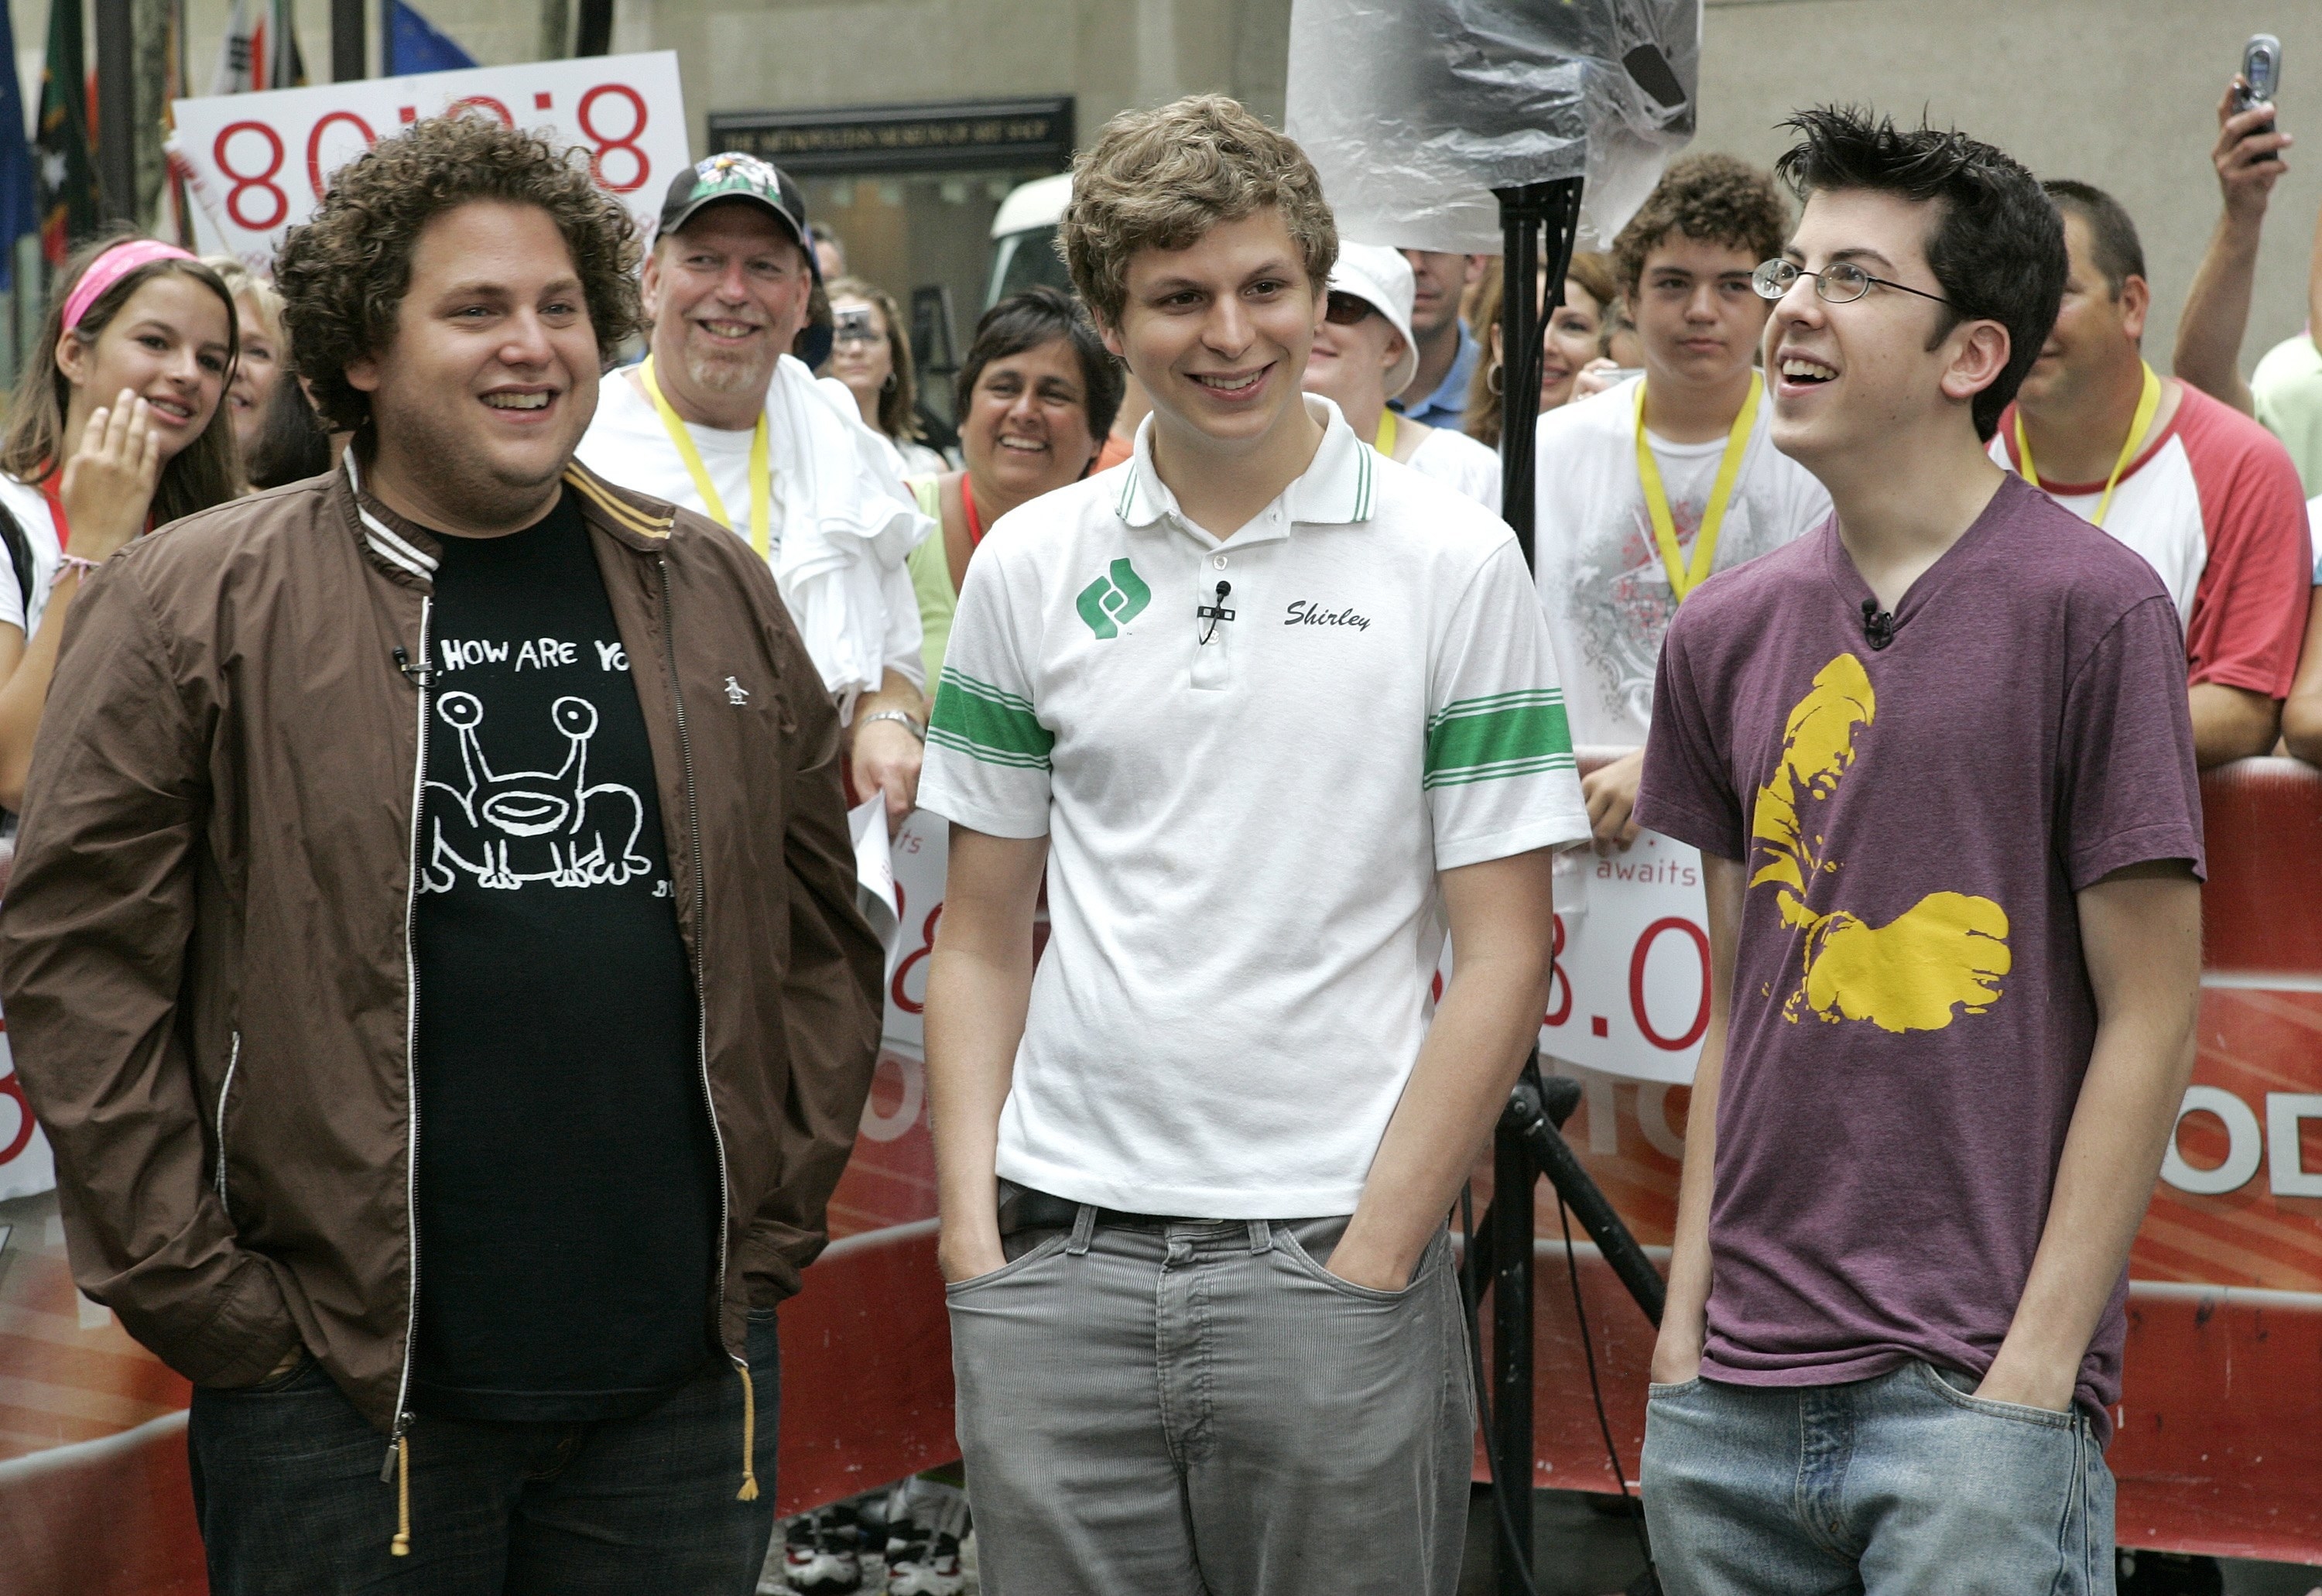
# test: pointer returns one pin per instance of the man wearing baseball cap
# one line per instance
(1364, 355)
(719, 418)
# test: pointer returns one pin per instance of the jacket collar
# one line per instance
(631, 519)
(1337, 488)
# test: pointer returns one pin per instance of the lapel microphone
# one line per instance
(1878, 624)
(1214, 613)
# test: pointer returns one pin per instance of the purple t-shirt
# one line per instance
(1912, 1014)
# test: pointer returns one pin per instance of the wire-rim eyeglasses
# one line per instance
(1840, 283)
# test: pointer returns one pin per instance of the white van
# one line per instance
(1024, 239)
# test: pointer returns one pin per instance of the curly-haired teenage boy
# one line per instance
(1265, 709)
(1647, 487)
(1937, 758)
(431, 945)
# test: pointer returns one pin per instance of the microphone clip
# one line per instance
(1878, 624)
(1214, 613)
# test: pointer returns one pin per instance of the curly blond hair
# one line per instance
(343, 276)
(1160, 179)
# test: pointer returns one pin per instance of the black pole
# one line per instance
(347, 55)
(595, 34)
(1509, 1226)
(116, 111)
(1524, 212)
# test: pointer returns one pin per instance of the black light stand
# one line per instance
(1527, 1144)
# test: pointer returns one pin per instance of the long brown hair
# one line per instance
(899, 405)
(1482, 417)
(204, 472)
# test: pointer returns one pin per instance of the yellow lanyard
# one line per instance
(1683, 581)
(1384, 442)
(2148, 403)
(762, 476)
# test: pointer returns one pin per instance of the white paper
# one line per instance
(875, 867)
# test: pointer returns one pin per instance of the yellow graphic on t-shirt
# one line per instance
(1945, 953)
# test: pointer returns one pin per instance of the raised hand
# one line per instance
(109, 482)
(2248, 156)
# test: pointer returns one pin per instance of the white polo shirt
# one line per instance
(1244, 834)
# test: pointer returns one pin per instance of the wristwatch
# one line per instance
(917, 730)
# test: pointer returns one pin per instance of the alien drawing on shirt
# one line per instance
(1942, 957)
(531, 825)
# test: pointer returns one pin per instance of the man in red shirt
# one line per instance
(2209, 497)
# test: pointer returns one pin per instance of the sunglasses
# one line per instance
(1342, 309)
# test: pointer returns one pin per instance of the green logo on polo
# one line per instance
(1108, 602)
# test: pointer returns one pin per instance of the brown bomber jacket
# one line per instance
(205, 954)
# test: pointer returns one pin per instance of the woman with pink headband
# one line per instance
(117, 425)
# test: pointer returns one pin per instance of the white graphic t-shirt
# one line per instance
(1599, 566)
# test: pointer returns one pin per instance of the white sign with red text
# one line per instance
(1630, 992)
(918, 858)
(26, 1165)
(1629, 998)
(258, 164)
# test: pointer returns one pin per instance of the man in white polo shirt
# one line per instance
(1267, 710)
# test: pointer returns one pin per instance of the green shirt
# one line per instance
(930, 568)
(2288, 388)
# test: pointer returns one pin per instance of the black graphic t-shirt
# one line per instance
(567, 1176)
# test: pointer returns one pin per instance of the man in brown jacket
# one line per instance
(431, 948)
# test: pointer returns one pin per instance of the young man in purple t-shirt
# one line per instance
(1938, 760)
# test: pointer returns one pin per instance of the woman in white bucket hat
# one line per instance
(1364, 355)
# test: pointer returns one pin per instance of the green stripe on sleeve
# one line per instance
(987, 723)
(1518, 734)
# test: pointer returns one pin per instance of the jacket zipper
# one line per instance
(232, 1063)
(420, 674)
(701, 935)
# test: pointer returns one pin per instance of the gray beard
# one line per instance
(723, 374)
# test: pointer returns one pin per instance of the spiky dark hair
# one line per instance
(1997, 245)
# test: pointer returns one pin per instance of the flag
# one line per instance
(259, 50)
(68, 177)
(414, 44)
(20, 189)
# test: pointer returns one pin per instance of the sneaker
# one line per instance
(925, 1522)
(822, 1553)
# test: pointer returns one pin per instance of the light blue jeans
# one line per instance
(1899, 1485)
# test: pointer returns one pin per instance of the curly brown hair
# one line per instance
(1159, 179)
(1712, 199)
(343, 276)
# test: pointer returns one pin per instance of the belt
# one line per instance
(1025, 1209)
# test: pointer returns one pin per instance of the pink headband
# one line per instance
(110, 268)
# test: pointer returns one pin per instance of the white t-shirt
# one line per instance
(1460, 463)
(626, 443)
(1599, 565)
(1244, 834)
(29, 506)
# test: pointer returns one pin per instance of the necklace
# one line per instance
(967, 503)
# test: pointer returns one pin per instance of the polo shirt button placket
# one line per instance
(1212, 669)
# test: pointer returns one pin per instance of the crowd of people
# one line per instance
(538, 601)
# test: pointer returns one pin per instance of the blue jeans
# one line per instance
(288, 1492)
(1894, 1486)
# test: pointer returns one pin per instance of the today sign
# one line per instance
(258, 164)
